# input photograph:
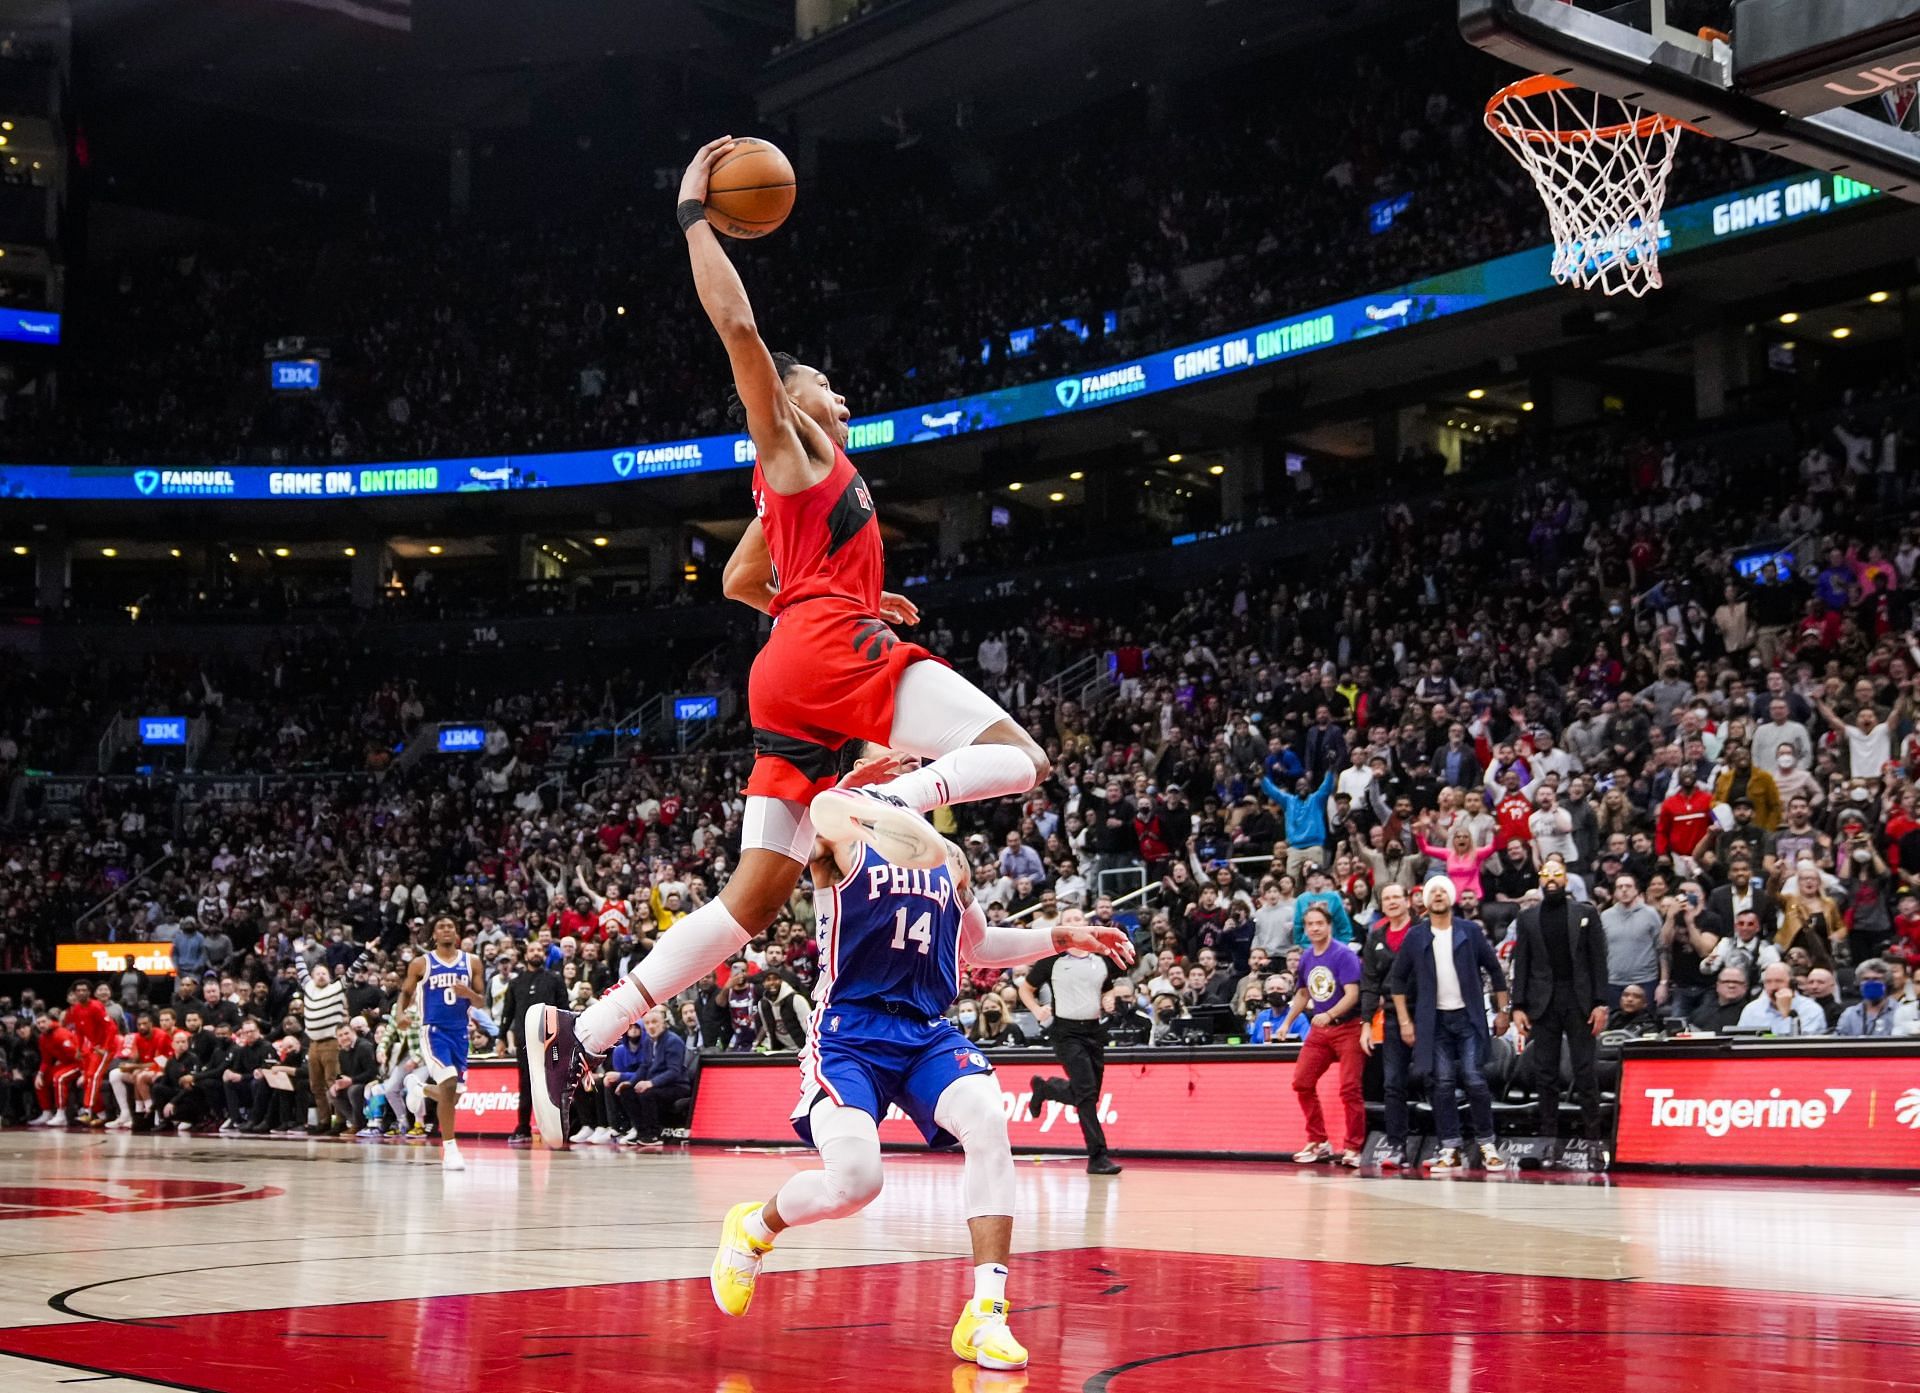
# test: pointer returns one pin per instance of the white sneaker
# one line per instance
(122, 1123)
(883, 822)
(583, 1136)
(450, 1157)
(183, 1127)
(601, 1136)
(228, 1128)
(45, 1119)
(629, 1137)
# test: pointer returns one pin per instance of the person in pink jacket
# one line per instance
(1461, 857)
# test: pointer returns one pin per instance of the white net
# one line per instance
(1601, 167)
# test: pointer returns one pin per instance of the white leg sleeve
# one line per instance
(849, 1178)
(969, 1108)
(937, 711)
(938, 714)
(778, 824)
(681, 956)
(117, 1081)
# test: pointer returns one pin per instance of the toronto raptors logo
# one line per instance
(860, 492)
(123, 1197)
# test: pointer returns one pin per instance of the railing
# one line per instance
(101, 907)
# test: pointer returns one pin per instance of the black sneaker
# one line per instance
(1103, 1165)
(520, 1139)
(554, 1072)
(1036, 1101)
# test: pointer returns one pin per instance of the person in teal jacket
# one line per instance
(1306, 816)
(1320, 891)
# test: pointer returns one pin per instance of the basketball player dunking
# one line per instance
(891, 942)
(448, 982)
(832, 673)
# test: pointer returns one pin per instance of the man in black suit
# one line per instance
(1742, 891)
(534, 985)
(1560, 993)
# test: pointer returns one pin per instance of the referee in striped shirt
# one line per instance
(1078, 980)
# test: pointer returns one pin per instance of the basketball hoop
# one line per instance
(1601, 167)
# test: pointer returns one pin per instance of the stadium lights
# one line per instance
(282, 552)
(619, 309)
(1879, 297)
(1077, 475)
(1175, 459)
(1056, 497)
(1789, 318)
(174, 552)
(599, 541)
(1789, 345)
(1842, 332)
(109, 551)
(1015, 486)
(1216, 470)
(1526, 406)
(1476, 393)
(19, 551)
(6, 125)
(349, 551)
(435, 549)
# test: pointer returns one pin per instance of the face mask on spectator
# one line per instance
(1873, 991)
(968, 1017)
(1787, 761)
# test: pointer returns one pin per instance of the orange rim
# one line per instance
(1540, 83)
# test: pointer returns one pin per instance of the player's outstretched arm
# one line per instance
(748, 576)
(776, 427)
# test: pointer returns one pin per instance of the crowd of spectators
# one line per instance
(905, 282)
(1687, 677)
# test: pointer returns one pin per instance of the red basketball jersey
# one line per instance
(824, 540)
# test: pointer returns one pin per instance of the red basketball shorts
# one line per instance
(825, 679)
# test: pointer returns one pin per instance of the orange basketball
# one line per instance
(751, 191)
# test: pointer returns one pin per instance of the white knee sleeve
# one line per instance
(117, 1081)
(969, 1108)
(936, 710)
(849, 1179)
(777, 824)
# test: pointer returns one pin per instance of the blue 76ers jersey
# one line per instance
(890, 934)
(439, 1005)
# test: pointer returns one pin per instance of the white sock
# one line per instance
(964, 776)
(684, 954)
(757, 1230)
(989, 1282)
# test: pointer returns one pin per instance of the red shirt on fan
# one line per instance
(1684, 820)
(1510, 817)
(669, 809)
(613, 918)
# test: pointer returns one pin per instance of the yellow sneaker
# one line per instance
(982, 1336)
(736, 1266)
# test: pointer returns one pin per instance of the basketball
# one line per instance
(751, 191)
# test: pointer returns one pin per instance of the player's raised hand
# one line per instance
(693, 184)
(898, 609)
(1108, 940)
(878, 770)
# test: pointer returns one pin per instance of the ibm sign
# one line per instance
(296, 375)
(696, 708)
(163, 730)
(462, 740)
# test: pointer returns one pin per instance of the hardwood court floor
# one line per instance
(291, 1265)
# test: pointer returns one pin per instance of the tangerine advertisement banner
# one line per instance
(1196, 1107)
(490, 1104)
(1849, 1113)
(102, 958)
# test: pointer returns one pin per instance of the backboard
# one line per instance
(1825, 83)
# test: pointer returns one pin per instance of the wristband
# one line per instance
(690, 211)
